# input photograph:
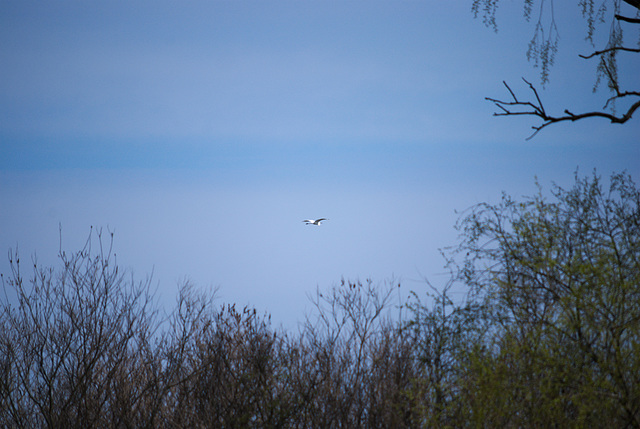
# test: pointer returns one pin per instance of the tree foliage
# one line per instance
(560, 280)
(547, 335)
(543, 47)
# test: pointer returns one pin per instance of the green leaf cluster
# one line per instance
(558, 279)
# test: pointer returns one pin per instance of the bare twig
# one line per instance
(604, 51)
(620, 95)
(517, 107)
(612, 79)
(627, 19)
(634, 3)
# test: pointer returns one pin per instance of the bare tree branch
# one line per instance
(518, 107)
(634, 3)
(627, 19)
(543, 49)
(604, 51)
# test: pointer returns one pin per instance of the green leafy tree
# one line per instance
(559, 279)
(543, 48)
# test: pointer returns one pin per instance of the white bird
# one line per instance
(314, 222)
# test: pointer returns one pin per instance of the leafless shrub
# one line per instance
(67, 342)
(84, 346)
(361, 361)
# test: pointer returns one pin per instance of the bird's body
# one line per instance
(314, 222)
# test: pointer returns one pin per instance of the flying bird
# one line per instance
(314, 222)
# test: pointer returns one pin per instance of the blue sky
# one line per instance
(202, 133)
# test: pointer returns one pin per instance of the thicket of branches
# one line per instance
(548, 334)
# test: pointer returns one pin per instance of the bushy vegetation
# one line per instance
(547, 335)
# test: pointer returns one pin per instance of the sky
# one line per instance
(202, 133)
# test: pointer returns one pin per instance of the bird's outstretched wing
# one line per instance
(314, 222)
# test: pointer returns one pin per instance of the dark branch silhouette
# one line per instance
(536, 108)
(627, 19)
(542, 50)
(612, 49)
(634, 3)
